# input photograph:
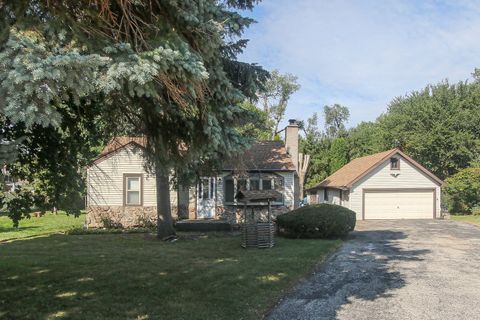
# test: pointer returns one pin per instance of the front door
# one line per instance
(206, 198)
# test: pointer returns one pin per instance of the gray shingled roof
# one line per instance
(261, 156)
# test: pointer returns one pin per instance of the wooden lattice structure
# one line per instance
(257, 234)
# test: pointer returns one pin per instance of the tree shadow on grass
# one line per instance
(12, 229)
(128, 277)
(360, 270)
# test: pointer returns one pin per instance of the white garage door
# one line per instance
(399, 204)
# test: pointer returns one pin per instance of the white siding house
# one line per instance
(105, 180)
(120, 192)
(386, 185)
(108, 195)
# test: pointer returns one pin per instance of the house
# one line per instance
(385, 185)
(10, 182)
(120, 191)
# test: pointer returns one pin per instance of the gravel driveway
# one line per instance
(404, 269)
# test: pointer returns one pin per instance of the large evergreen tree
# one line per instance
(168, 69)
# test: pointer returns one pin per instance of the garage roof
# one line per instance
(353, 171)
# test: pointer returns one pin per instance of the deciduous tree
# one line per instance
(278, 90)
(335, 118)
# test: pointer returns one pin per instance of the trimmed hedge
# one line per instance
(317, 221)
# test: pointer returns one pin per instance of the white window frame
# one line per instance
(247, 180)
(126, 177)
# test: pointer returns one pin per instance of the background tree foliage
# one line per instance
(462, 191)
(329, 149)
(258, 127)
(277, 92)
(338, 154)
(335, 118)
(438, 126)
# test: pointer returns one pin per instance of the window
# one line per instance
(241, 184)
(325, 194)
(212, 188)
(206, 188)
(394, 164)
(133, 190)
(232, 186)
(229, 190)
(254, 184)
(267, 184)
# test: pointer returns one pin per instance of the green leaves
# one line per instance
(17, 204)
(36, 76)
(462, 191)
(438, 126)
(275, 95)
(335, 118)
(163, 69)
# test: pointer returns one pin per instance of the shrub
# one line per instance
(476, 210)
(317, 221)
(462, 191)
(108, 223)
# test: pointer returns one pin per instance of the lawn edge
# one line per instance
(467, 222)
(31, 237)
(317, 267)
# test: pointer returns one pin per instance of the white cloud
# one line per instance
(364, 53)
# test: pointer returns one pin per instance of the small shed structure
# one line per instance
(257, 234)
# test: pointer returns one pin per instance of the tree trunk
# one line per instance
(164, 212)
(302, 171)
(265, 104)
(275, 129)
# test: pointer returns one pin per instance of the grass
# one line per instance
(469, 219)
(135, 276)
(33, 227)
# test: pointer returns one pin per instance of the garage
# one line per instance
(399, 204)
(384, 185)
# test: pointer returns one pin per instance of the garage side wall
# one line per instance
(383, 177)
(333, 196)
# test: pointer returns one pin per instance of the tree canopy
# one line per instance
(437, 126)
(335, 118)
(277, 92)
(462, 190)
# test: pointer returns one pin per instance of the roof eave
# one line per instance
(110, 153)
(406, 157)
(263, 170)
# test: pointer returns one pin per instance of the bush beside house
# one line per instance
(317, 221)
(462, 192)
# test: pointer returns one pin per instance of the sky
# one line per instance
(363, 53)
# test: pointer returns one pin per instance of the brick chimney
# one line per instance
(291, 140)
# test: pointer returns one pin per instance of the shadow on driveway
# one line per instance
(361, 269)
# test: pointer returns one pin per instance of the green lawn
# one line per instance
(468, 219)
(136, 276)
(45, 225)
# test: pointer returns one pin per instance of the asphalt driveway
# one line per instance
(404, 269)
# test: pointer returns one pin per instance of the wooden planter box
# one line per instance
(258, 235)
